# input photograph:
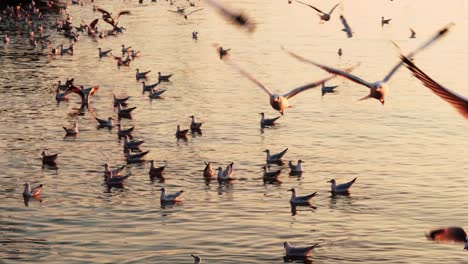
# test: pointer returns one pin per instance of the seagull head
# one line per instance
(286, 244)
(267, 151)
(196, 258)
(261, 113)
(26, 184)
(162, 189)
(219, 169)
(292, 190)
(332, 181)
(300, 161)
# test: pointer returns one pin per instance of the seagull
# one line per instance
(296, 168)
(347, 28)
(124, 132)
(156, 171)
(126, 49)
(279, 102)
(91, 28)
(194, 126)
(449, 234)
(266, 122)
(328, 89)
(270, 176)
(170, 197)
(149, 87)
(208, 171)
(340, 52)
(141, 75)
(459, 102)
(275, 157)
(111, 173)
(116, 181)
(323, 16)
(163, 78)
(195, 35)
(107, 17)
(104, 53)
(222, 52)
(300, 199)
(226, 175)
(379, 89)
(385, 21)
(61, 96)
(341, 188)
(180, 10)
(120, 101)
(34, 192)
(181, 133)
(413, 33)
(109, 123)
(73, 131)
(48, 159)
(155, 94)
(132, 145)
(237, 18)
(137, 157)
(196, 259)
(297, 251)
(124, 112)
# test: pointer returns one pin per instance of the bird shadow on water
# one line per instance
(303, 205)
(306, 260)
(49, 166)
(26, 200)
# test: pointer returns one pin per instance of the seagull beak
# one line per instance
(328, 181)
(290, 190)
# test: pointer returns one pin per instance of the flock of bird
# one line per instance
(114, 178)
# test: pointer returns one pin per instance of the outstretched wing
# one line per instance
(249, 76)
(194, 11)
(343, 73)
(426, 44)
(457, 101)
(333, 9)
(316, 9)
(125, 12)
(306, 87)
(347, 28)
(93, 24)
(104, 12)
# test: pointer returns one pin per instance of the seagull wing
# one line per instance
(316, 9)
(457, 101)
(93, 24)
(413, 33)
(347, 28)
(250, 77)
(104, 12)
(194, 11)
(306, 87)
(333, 9)
(343, 73)
(345, 186)
(426, 44)
(125, 12)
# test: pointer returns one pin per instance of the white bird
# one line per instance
(272, 158)
(300, 199)
(73, 131)
(296, 168)
(341, 188)
(226, 175)
(34, 192)
(323, 16)
(457, 101)
(297, 251)
(266, 122)
(170, 197)
(46, 158)
(196, 259)
(379, 89)
(278, 101)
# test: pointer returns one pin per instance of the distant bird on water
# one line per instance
(222, 52)
(104, 53)
(266, 122)
(170, 197)
(457, 101)
(297, 251)
(328, 89)
(385, 21)
(141, 75)
(72, 131)
(208, 171)
(194, 125)
(226, 175)
(296, 167)
(48, 159)
(341, 188)
(34, 192)
(413, 33)
(109, 123)
(379, 89)
(300, 199)
(164, 78)
(270, 176)
(181, 134)
(274, 158)
(278, 101)
(237, 18)
(323, 16)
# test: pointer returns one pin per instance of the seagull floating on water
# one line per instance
(226, 175)
(124, 112)
(116, 181)
(459, 102)
(413, 33)
(104, 53)
(73, 131)
(297, 251)
(274, 158)
(182, 134)
(163, 78)
(295, 168)
(270, 176)
(328, 89)
(48, 159)
(208, 171)
(323, 16)
(124, 132)
(156, 94)
(149, 87)
(379, 89)
(341, 188)
(300, 199)
(278, 101)
(141, 75)
(134, 157)
(120, 101)
(109, 123)
(133, 145)
(170, 197)
(385, 21)
(156, 171)
(194, 126)
(34, 192)
(266, 122)
(449, 234)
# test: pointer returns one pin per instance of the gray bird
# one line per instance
(341, 188)
(297, 251)
(270, 176)
(300, 199)
(196, 259)
(272, 158)
(266, 122)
